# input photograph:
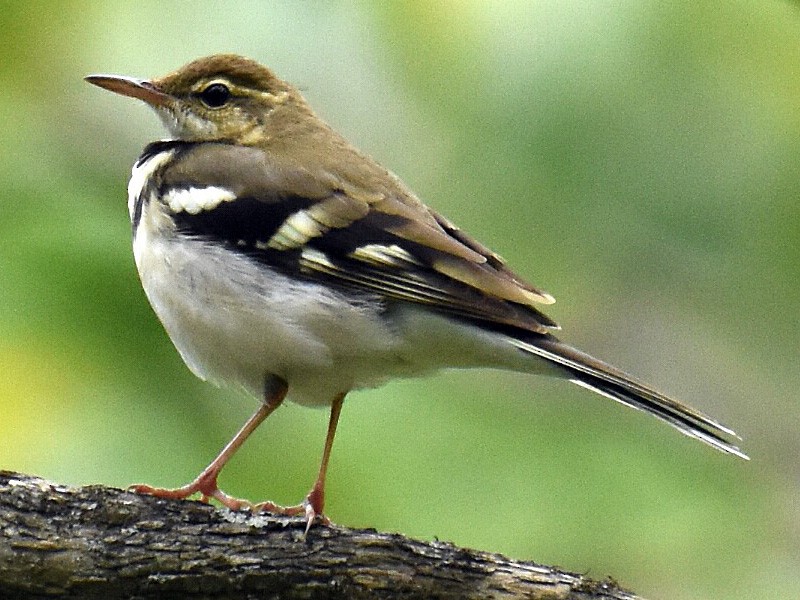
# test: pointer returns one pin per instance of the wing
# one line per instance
(322, 227)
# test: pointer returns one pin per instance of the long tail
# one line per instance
(604, 379)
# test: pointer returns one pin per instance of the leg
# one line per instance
(314, 503)
(275, 390)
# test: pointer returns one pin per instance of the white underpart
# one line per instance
(235, 321)
(197, 199)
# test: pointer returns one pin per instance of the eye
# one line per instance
(215, 95)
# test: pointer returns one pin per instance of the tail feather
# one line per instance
(593, 374)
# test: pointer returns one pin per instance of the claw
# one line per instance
(310, 508)
(313, 514)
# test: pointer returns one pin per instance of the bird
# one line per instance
(283, 261)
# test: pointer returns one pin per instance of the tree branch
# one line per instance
(98, 542)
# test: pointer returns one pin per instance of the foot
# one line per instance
(311, 507)
(205, 485)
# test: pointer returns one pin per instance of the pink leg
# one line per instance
(314, 503)
(206, 483)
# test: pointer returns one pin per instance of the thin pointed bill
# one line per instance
(129, 86)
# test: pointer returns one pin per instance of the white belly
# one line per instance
(234, 321)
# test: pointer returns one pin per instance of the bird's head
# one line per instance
(220, 97)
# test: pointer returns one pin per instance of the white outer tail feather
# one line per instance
(603, 379)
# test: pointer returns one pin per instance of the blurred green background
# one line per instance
(638, 160)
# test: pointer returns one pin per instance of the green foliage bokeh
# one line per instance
(638, 160)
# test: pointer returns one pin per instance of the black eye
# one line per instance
(215, 95)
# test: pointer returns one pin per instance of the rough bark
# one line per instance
(99, 542)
